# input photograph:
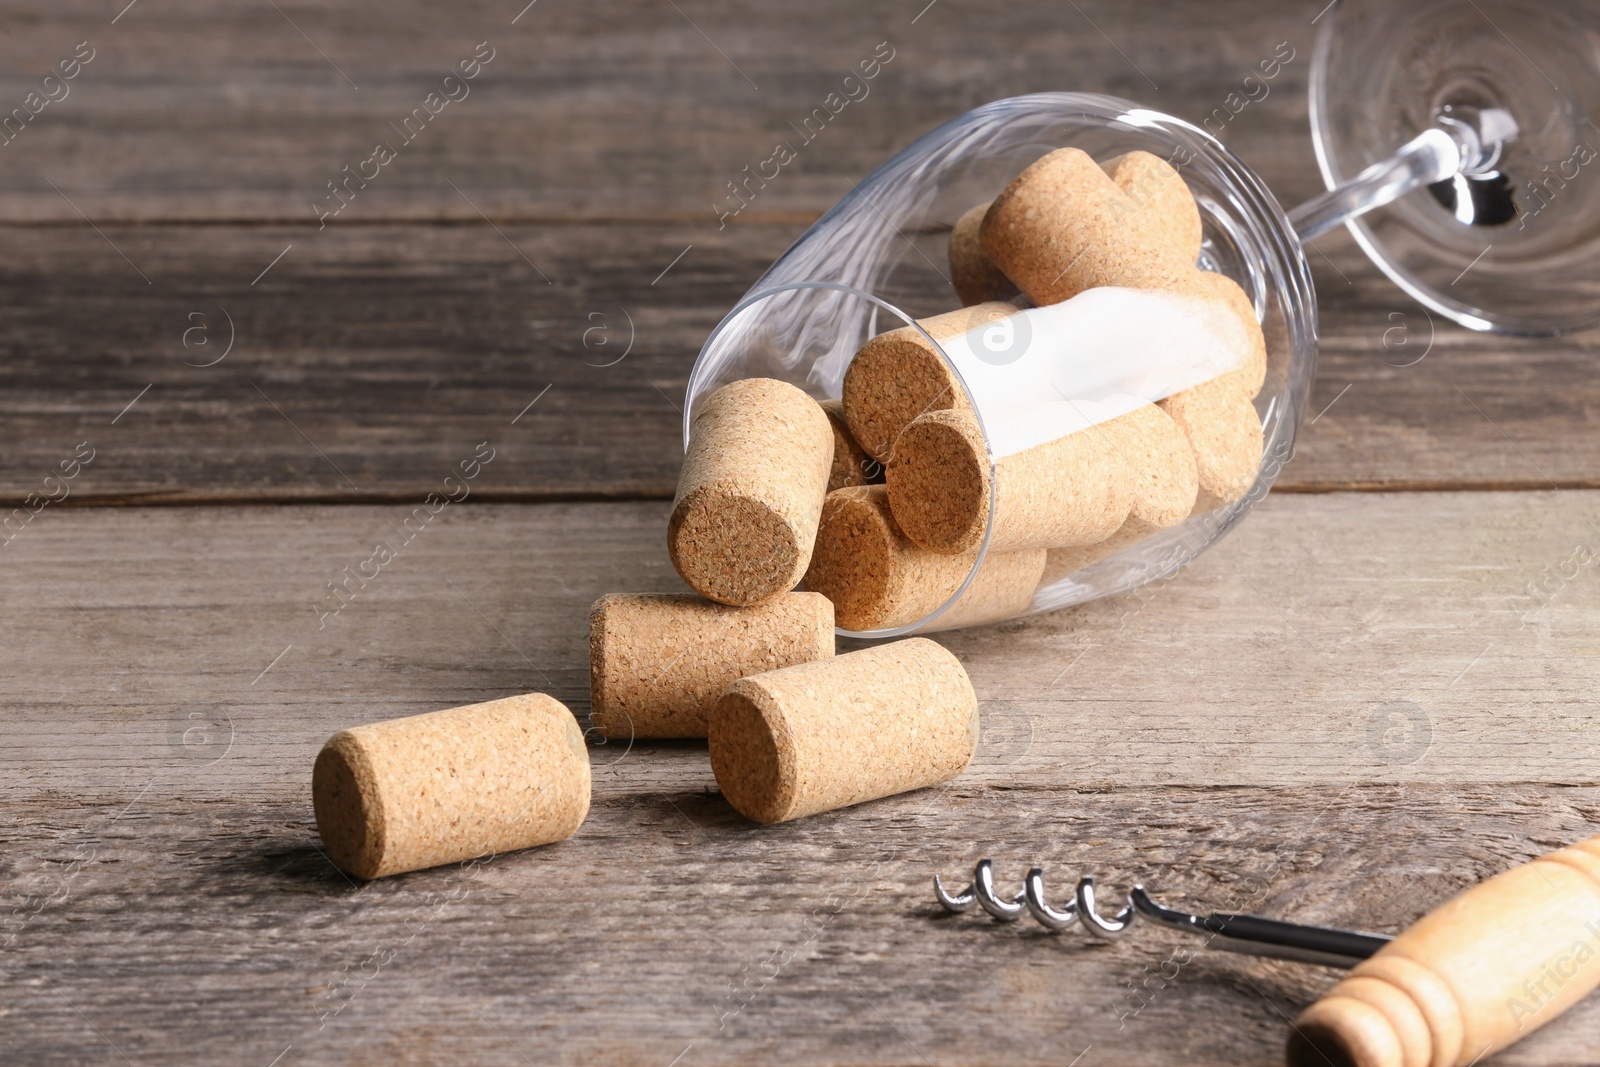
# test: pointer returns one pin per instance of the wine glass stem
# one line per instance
(1432, 156)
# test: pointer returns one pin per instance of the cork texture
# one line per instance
(1075, 490)
(842, 731)
(1163, 208)
(973, 274)
(1062, 563)
(1157, 456)
(1064, 226)
(898, 376)
(1225, 435)
(851, 464)
(750, 495)
(451, 785)
(1243, 329)
(1166, 482)
(878, 579)
(658, 663)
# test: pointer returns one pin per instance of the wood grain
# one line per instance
(1354, 707)
(201, 110)
(181, 932)
(1292, 654)
(393, 348)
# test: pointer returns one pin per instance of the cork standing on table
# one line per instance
(851, 464)
(756, 471)
(857, 727)
(879, 580)
(451, 785)
(972, 273)
(1075, 490)
(657, 663)
(898, 375)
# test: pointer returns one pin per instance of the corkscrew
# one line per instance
(1249, 934)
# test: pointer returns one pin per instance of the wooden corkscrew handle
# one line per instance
(1472, 976)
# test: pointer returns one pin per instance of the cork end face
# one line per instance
(734, 549)
(748, 760)
(852, 561)
(893, 379)
(349, 812)
(939, 483)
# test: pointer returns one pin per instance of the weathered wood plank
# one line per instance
(393, 348)
(148, 928)
(205, 110)
(167, 685)
(1294, 653)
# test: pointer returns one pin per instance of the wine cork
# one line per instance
(751, 491)
(878, 579)
(841, 731)
(851, 464)
(1075, 490)
(1166, 481)
(1064, 226)
(657, 663)
(973, 274)
(1242, 331)
(1471, 977)
(1163, 209)
(1225, 436)
(451, 785)
(898, 375)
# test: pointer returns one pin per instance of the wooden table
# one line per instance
(1377, 691)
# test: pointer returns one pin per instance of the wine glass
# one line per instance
(1432, 150)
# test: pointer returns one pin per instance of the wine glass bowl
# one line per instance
(878, 261)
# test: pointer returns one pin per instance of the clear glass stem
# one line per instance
(1432, 156)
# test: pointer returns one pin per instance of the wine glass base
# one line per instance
(1516, 248)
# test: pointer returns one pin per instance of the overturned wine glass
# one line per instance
(1455, 137)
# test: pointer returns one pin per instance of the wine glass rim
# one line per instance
(755, 297)
(1468, 315)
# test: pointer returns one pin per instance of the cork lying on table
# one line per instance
(972, 273)
(857, 727)
(657, 663)
(878, 579)
(898, 375)
(760, 453)
(451, 785)
(851, 464)
(1075, 490)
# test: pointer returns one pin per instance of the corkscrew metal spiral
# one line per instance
(1249, 934)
